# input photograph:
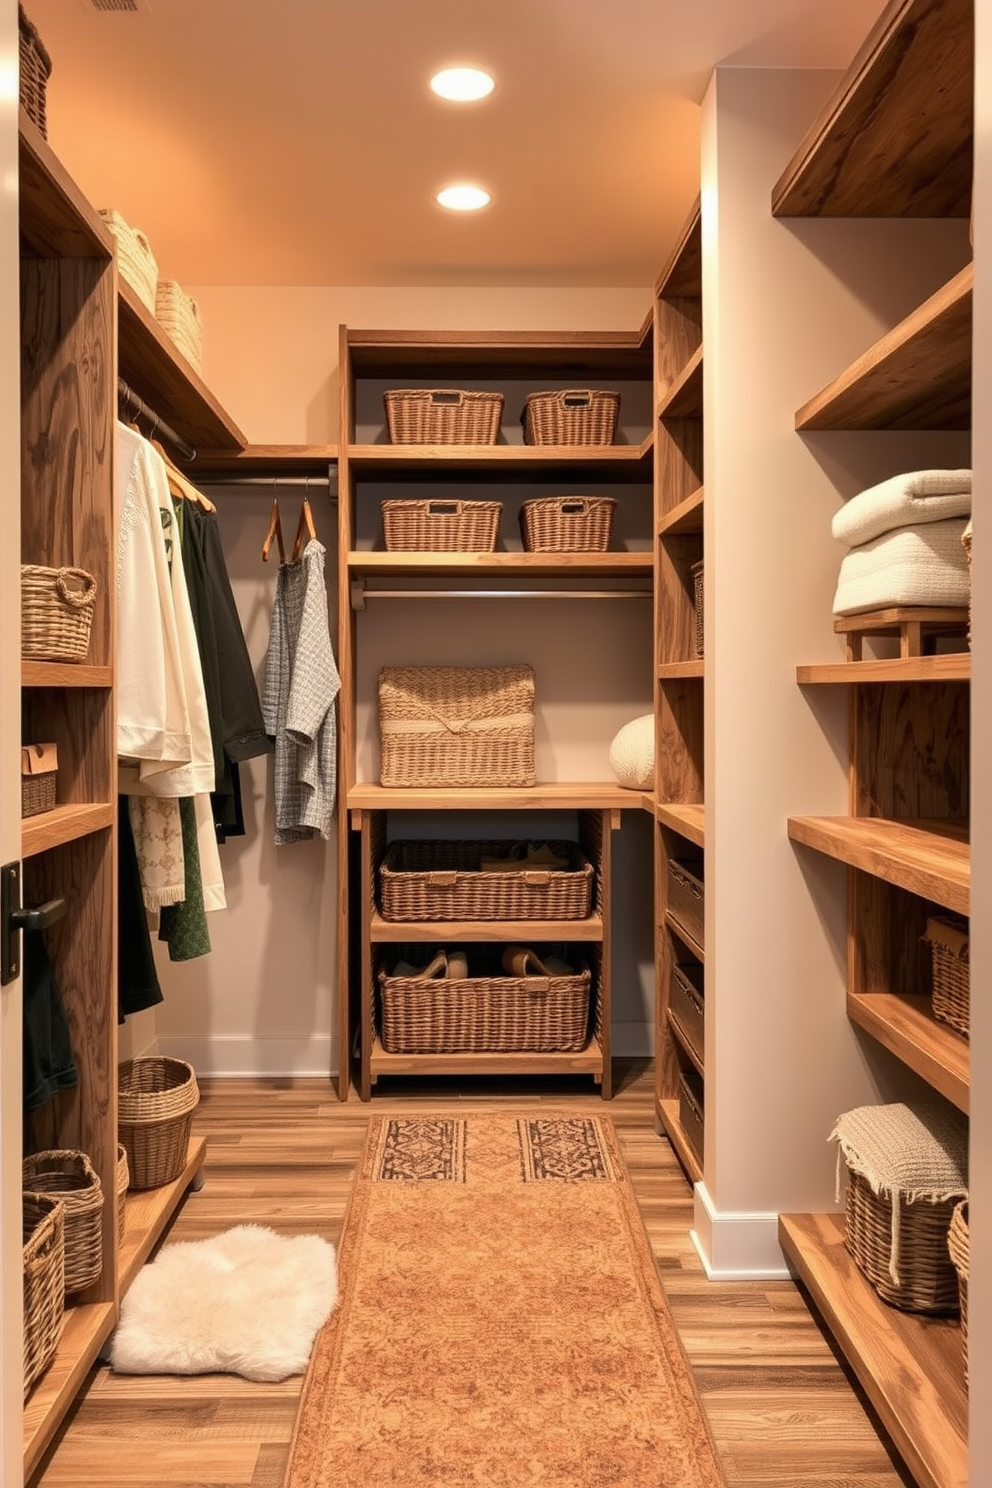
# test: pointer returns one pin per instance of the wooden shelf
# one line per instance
(684, 1044)
(951, 667)
(65, 674)
(683, 935)
(558, 795)
(86, 1330)
(688, 819)
(686, 517)
(905, 1025)
(150, 363)
(506, 462)
(684, 399)
(673, 670)
(588, 1061)
(269, 459)
(147, 1213)
(600, 565)
(928, 858)
(446, 931)
(682, 276)
(56, 220)
(668, 1115)
(916, 377)
(910, 1367)
(63, 824)
(480, 354)
(894, 140)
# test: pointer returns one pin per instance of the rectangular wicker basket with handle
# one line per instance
(571, 416)
(457, 726)
(442, 416)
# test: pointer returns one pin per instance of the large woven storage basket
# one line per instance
(571, 416)
(69, 1175)
(440, 526)
(484, 1014)
(949, 941)
(156, 1099)
(56, 612)
(122, 1179)
(135, 259)
(567, 524)
(959, 1250)
(35, 70)
(442, 416)
(457, 726)
(446, 881)
(179, 316)
(42, 1236)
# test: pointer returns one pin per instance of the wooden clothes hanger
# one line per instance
(275, 531)
(304, 529)
(181, 487)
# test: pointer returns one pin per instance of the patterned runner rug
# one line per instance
(501, 1323)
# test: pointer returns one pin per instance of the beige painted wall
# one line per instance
(264, 1000)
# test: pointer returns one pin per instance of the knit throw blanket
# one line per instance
(922, 565)
(903, 501)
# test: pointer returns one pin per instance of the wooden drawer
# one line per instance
(686, 1005)
(685, 895)
(691, 1111)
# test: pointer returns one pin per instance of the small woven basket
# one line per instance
(959, 1249)
(927, 1280)
(445, 881)
(156, 1099)
(70, 1176)
(457, 726)
(179, 316)
(122, 1179)
(35, 70)
(39, 772)
(42, 1235)
(572, 416)
(949, 943)
(697, 604)
(567, 524)
(135, 260)
(441, 526)
(442, 416)
(56, 612)
(487, 1014)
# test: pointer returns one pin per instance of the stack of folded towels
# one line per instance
(905, 543)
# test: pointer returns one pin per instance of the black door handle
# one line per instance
(15, 917)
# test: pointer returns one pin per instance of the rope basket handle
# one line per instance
(79, 598)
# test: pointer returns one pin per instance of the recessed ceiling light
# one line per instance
(463, 198)
(462, 84)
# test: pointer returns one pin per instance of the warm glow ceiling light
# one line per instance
(463, 198)
(462, 84)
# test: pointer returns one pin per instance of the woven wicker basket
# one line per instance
(927, 1280)
(444, 881)
(457, 726)
(484, 1014)
(42, 1234)
(179, 316)
(122, 1179)
(442, 416)
(135, 260)
(56, 612)
(156, 1100)
(949, 942)
(697, 604)
(966, 538)
(571, 416)
(70, 1176)
(35, 70)
(959, 1250)
(567, 524)
(39, 772)
(441, 526)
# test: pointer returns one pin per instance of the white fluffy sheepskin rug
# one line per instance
(246, 1302)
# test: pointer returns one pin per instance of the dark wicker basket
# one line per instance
(69, 1175)
(442, 416)
(567, 524)
(441, 526)
(927, 1280)
(959, 1250)
(35, 70)
(697, 604)
(445, 881)
(571, 416)
(949, 945)
(42, 1235)
(122, 1180)
(156, 1100)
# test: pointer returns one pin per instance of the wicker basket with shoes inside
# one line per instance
(70, 1176)
(156, 1098)
(484, 880)
(43, 1263)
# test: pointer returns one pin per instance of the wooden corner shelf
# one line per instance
(562, 462)
(684, 398)
(682, 275)
(479, 354)
(64, 824)
(587, 1061)
(928, 858)
(954, 666)
(668, 1114)
(911, 1367)
(905, 1025)
(65, 674)
(681, 670)
(687, 516)
(56, 220)
(375, 564)
(555, 795)
(444, 932)
(269, 459)
(918, 376)
(680, 933)
(688, 819)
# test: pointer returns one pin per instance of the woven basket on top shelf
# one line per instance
(35, 70)
(43, 1262)
(179, 316)
(571, 416)
(567, 524)
(70, 1176)
(122, 1179)
(56, 612)
(135, 259)
(413, 526)
(442, 416)
(948, 937)
(156, 1099)
(697, 604)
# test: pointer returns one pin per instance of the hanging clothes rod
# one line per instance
(140, 407)
(275, 480)
(360, 595)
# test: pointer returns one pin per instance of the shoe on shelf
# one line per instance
(522, 961)
(446, 964)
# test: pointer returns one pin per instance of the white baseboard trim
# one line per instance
(245, 1056)
(736, 1246)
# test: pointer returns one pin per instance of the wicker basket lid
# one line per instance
(917, 1152)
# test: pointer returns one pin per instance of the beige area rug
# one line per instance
(500, 1321)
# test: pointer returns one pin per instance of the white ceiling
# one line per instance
(296, 142)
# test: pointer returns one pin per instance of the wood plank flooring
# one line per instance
(783, 1411)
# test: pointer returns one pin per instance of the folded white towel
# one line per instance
(921, 565)
(903, 501)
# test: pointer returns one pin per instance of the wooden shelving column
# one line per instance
(679, 671)
(896, 140)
